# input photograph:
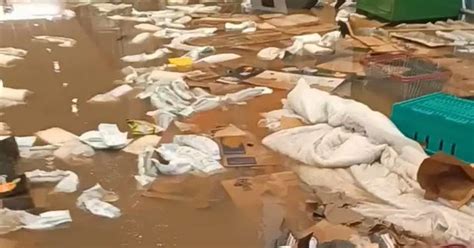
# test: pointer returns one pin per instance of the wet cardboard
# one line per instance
(443, 176)
(286, 81)
(245, 151)
(293, 20)
(325, 231)
(344, 65)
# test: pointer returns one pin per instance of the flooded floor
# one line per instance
(58, 76)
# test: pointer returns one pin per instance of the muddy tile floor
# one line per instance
(63, 79)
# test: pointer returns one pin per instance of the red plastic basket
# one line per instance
(408, 75)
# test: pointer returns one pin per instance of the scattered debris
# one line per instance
(108, 136)
(95, 200)
(14, 220)
(67, 180)
(111, 96)
(60, 41)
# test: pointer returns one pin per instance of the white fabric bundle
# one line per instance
(381, 161)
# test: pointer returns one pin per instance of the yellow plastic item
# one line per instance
(182, 64)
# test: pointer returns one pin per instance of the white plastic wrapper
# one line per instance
(147, 171)
(8, 61)
(67, 180)
(199, 52)
(206, 103)
(13, 51)
(146, 27)
(329, 39)
(129, 18)
(183, 20)
(25, 142)
(182, 89)
(247, 94)
(240, 26)
(111, 96)
(109, 7)
(271, 53)
(181, 154)
(107, 137)
(144, 57)
(38, 152)
(12, 220)
(60, 41)
(219, 58)
(173, 33)
(93, 200)
(200, 92)
(163, 118)
(16, 95)
(141, 38)
(201, 143)
(196, 8)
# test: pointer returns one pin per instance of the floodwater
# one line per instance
(58, 75)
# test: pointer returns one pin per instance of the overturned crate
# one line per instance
(404, 75)
(440, 121)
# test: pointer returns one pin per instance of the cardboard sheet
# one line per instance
(246, 192)
(369, 40)
(245, 151)
(325, 231)
(190, 189)
(286, 81)
(293, 20)
(344, 65)
(299, 30)
(422, 38)
(445, 177)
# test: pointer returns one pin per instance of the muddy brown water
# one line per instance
(91, 67)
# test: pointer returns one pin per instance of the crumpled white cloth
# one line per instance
(380, 159)
(67, 180)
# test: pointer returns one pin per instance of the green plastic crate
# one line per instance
(410, 10)
(442, 122)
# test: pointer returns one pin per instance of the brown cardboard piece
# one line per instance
(422, 38)
(298, 30)
(293, 20)
(325, 231)
(287, 81)
(288, 122)
(333, 206)
(344, 65)
(229, 131)
(369, 40)
(187, 188)
(445, 177)
(255, 153)
(246, 192)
